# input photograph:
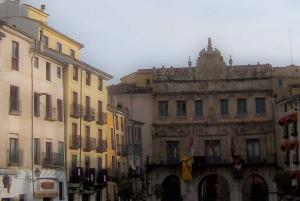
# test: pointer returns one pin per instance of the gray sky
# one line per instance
(121, 36)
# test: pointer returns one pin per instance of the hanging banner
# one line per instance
(187, 168)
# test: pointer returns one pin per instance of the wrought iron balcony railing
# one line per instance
(75, 141)
(89, 144)
(51, 113)
(76, 110)
(14, 106)
(51, 159)
(101, 146)
(121, 150)
(15, 157)
(89, 114)
(102, 118)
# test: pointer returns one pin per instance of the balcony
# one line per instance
(76, 110)
(51, 114)
(15, 106)
(115, 174)
(121, 150)
(89, 114)
(101, 146)
(89, 144)
(102, 118)
(75, 141)
(51, 159)
(15, 157)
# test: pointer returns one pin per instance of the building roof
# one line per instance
(123, 88)
(52, 57)
(16, 29)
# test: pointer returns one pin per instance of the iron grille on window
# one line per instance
(52, 159)
(75, 141)
(76, 110)
(102, 118)
(89, 114)
(101, 146)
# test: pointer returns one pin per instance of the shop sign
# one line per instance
(47, 185)
(73, 185)
(9, 172)
(46, 194)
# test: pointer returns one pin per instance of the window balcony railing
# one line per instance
(102, 118)
(15, 157)
(15, 106)
(75, 141)
(89, 144)
(76, 110)
(89, 114)
(101, 146)
(51, 159)
(114, 174)
(121, 150)
(51, 113)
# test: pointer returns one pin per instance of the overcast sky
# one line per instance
(121, 36)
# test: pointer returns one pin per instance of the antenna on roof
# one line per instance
(291, 46)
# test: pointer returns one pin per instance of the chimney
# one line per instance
(43, 8)
(19, 2)
(41, 42)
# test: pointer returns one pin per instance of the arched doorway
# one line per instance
(171, 186)
(213, 188)
(254, 188)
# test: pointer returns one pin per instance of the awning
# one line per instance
(282, 122)
(298, 175)
(292, 117)
(294, 144)
(131, 164)
(285, 146)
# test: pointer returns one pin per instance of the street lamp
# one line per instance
(37, 173)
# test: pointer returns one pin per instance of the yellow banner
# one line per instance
(187, 168)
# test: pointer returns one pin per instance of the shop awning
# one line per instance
(285, 146)
(282, 122)
(294, 144)
(292, 117)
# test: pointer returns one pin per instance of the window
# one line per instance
(99, 138)
(15, 103)
(253, 153)
(129, 132)
(15, 56)
(87, 164)
(72, 53)
(87, 145)
(117, 139)
(99, 163)
(117, 122)
(106, 161)
(59, 110)
(224, 106)
(61, 154)
(74, 162)
(173, 152)
(75, 73)
(215, 156)
(100, 84)
(88, 79)
(48, 106)
(181, 108)
(36, 104)
(198, 108)
(260, 105)
(36, 62)
(37, 151)
(58, 47)
(242, 106)
(112, 138)
(14, 153)
(48, 71)
(45, 40)
(280, 83)
(49, 154)
(122, 123)
(147, 82)
(162, 108)
(58, 72)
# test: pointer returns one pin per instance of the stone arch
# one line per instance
(254, 187)
(171, 185)
(209, 187)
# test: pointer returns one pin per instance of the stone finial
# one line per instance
(230, 61)
(189, 62)
(209, 47)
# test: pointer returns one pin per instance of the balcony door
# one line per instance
(173, 152)
(13, 150)
(49, 157)
(253, 151)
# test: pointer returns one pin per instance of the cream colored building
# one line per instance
(32, 118)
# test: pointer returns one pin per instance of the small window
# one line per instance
(59, 110)
(15, 56)
(181, 108)
(58, 47)
(72, 53)
(296, 70)
(37, 151)
(198, 108)
(36, 104)
(117, 122)
(75, 73)
(162, 108)
(58, 72)
(48, 71)
(100, 84)
(45, 40)
(224, 106)
(147, 82)
(88, 79)
(36, 62)
(15, 102)
(280, 83)
(260, 104)
(242, 106)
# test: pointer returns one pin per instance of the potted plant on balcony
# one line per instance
(125, 190)
(283, 180)
(158, 191)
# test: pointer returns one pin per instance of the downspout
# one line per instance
(114, 135)
(32, 102)
(80, 117)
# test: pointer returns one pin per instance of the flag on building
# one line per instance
(211, 148)
(232, 147)
(192, 147)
